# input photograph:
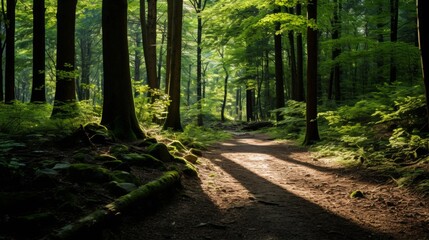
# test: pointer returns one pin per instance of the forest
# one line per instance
(114, 105)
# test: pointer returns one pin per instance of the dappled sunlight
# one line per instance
(300, 177)
(228, 144)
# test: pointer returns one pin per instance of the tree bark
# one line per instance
(10, 52)
(312, 132)
(394, 11)
(149, 41)
(38, 88)
(174, 50)
(300, 61)
(85, 53)
(335, 76)
(118, 108)
(423, 30)
(278, 52)
(65, 93)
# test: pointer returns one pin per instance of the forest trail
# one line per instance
(252, 187)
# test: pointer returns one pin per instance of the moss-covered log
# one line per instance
(99, 217)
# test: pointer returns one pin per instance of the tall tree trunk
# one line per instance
(65, 93)
(199, 6)
(423, 29)
(149, 41)
(280, 88)
(1, 71)
(300, 61)
(161, 51)
(335, 79)
(10, 52)
(380, 39)
(137, 59)
(225, 85)
(118, 108)
(394, 12)
(85, 53)
(38, 88)
(249, 104)
(174, 50)
(292, 63)
(312, 132)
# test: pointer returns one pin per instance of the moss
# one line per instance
(178, 145)
(119, 149)
(142, 160)
(82, 157)
(160, 151)
(191, 158)
(187, 167)
(120, 189)
(105, 158)
(147, 142)
(116, 165)
(122, 177)
(196, 152)
(82, 172)
(357, 194)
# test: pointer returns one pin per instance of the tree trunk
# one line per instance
(174, 50)
(149, 41)
(161, 51)
(280, 89)
(334, 80)
(1, 71)
(292, 63)
(10, 52)
(199, 6)
(225, 89)
(137, 59)
(199, 70)
(422, 7)
(65, 93)
(38, 88)
(249, 104)
(85, 53)
(118, 108)
(394, 11)
(312, 132)
(300, 61)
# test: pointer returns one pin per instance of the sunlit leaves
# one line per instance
(288, 22)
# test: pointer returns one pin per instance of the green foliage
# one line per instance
(146, 110)
(382, 132)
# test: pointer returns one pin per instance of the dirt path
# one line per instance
(254, 188)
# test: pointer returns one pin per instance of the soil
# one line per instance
(252, 187)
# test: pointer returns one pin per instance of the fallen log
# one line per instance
(100, 217)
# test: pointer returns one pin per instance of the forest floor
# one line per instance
(252, 187)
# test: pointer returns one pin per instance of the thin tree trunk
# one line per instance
(422, 7)
(10, 52)
(394, 11)
(85, 48)
(149, 41)
(300, 61)
(1, 71)
(278, 51)
(312, 132)
(38, 87)
(292, 63)
(334, 82)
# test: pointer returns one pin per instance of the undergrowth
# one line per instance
(385, 132)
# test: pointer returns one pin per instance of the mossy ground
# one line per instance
(51, 180)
